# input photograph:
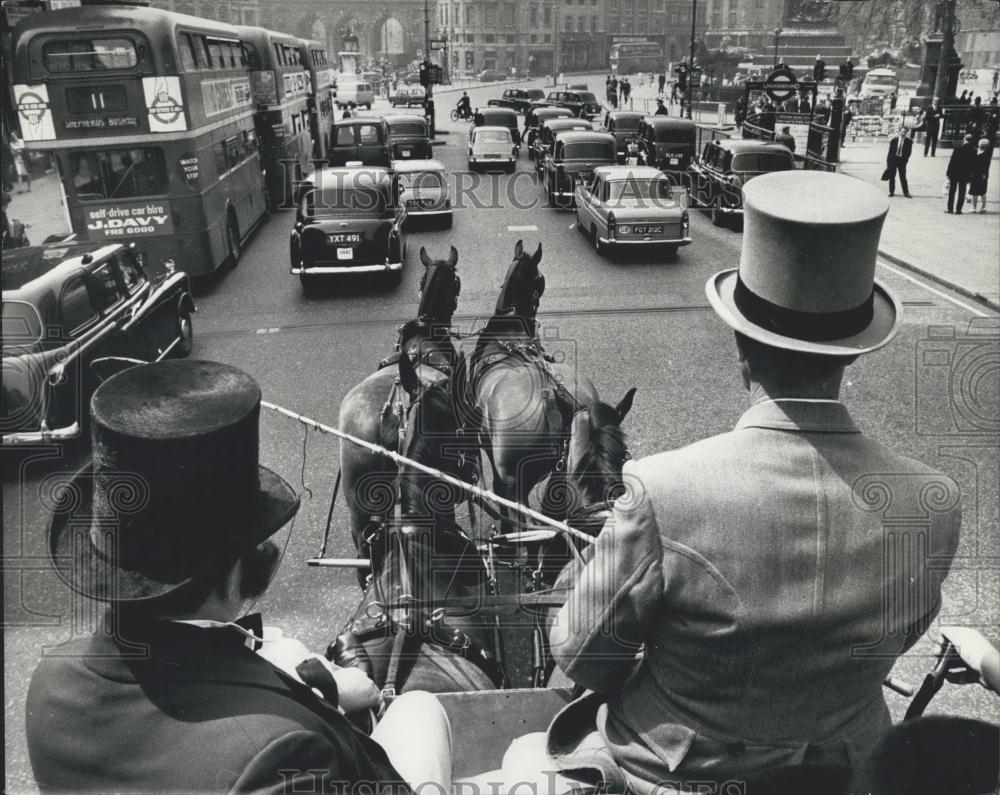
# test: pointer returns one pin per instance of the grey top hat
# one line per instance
(174, 488)
(806, 280)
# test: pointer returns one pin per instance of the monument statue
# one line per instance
(813, 13)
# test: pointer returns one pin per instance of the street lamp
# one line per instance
(777, 34)
(690, 92)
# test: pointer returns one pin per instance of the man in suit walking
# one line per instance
(761, 572)
(170, 695)
(931, 124)
(961, 166)
(900, 147)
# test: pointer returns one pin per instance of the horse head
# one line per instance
(595, 457)
(440, 286)
(524, 284)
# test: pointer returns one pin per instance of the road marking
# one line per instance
(572, 225)
(934, 290)
(530, 228)
(268, 330)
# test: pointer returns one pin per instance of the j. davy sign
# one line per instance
(136, 219)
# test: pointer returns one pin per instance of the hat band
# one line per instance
(809, 326)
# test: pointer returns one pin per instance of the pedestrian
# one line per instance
(960, 167)
(823, 112)
(930, 123)
(662, 81)
(961, 99)
(980, 175)
(900, 148)
(786, 138)
(661, 109)
(627, 89)
(804, 106)
(7, 161)
(845, 122)
(687, 568)
(819, 69)
(740, 114)
(892, 101)
(172, 694)
(20, 154)
(996, 79)
(977, 119)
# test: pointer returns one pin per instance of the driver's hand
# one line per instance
(977, 653)
(355, 690)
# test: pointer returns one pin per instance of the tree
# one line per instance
(888, 24)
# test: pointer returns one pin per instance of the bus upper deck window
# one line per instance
(188, 60)
(86, 55)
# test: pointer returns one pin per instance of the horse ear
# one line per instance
(518, 249)
(424, 259)
(537, 256)
(626, 404)
(453, 257)
(408, 375)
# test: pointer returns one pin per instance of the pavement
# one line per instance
(630, 321)
(41, 208)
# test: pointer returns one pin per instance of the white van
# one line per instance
(879, 82)
(357, 91)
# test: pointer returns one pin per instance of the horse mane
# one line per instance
(606, 451)
(434, 411)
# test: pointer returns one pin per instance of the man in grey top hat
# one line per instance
(760, 571)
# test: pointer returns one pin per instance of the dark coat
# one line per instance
(962, 163)
(197, 712)
(932, 118)
(899, 151)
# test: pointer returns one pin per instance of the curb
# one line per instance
(977, 297)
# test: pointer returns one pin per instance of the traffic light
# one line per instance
(435, 73)
(425, 76)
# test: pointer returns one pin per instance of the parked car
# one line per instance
(492, 146)
(409, 78)
(422, 187)
(362, 140)
(517, 99)
(348, 221)
(718, 176)
(666, 143)
(632, 206)
(879, 83)
(489, 76)
(357, 91)
(409, 137)
(573, 159)
(408, 96)
(498, 117)
(580, 103)
(547, 133)
(537, 114)
(624, 126)
(67, 308)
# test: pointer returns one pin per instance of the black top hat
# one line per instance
(174, 489)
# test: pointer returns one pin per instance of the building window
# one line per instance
(547, 16)
(489, 38)
(534, 38)
(491, 16)
(533, 16)
(470, 15)
(509, 11)
(511, 38)
(593, 23)
(733, 14)
(470, 38)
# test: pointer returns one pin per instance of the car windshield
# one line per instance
(589, 151)
(493, 137)
(636, 191)
(762, 161)
(407, 128)
(22, 327)
(335, 202)
(501, 120)
(586, 96)
(628, 123)
(419, 179)
(880, 80)
(673, 135)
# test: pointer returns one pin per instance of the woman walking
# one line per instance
(20, 161)
(980, 175)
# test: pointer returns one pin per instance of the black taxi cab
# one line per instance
(409, 137)
(517, 99)
(535, 116)
(72, 314)
(624, 126)
(363, 139)
(573, 159)
(348, 220)
(547, 132)
(666, 143)
(718, 176)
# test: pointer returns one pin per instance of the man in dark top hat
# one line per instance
(172, 525)
(960, 167)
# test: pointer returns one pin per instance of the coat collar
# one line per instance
(787, 414)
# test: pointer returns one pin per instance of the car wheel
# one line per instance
(598, 245)
(232, 243)
(718, 218)
(448, 220)
(670, 250)
(368, 106)
(308, 283)
(185, 333)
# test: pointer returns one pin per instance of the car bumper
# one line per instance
(335, 270)
(646, 241)
(42, 436)
(485, 161)
(427, 213)
(730, 210)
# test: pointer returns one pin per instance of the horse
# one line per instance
(372, 409)
(398, 636)
(520, 402)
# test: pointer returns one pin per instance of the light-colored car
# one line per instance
(492, 147)
(879, 83)
(423, 190)
(632, 206)
(409, 95)
(357, 91)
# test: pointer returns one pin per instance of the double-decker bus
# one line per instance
(321, 99)
(627, 57)
(150, 118)
(281, 90)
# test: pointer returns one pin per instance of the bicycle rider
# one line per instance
(464, 106)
